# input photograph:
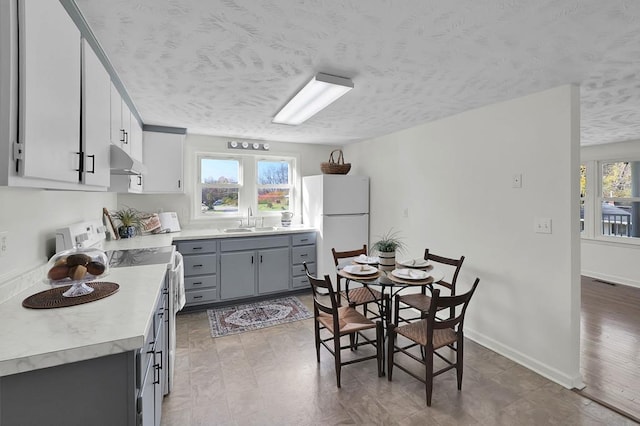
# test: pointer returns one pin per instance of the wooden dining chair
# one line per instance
(432, 335)
(359, 296)
(340, 321)
(421, 301)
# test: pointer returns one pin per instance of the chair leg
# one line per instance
(396, 310)
(364, 309)
(317, 333)
(429, 374)
(459, 360)
(391, 337)
(353, 340)
(338, 363)
(380, 347)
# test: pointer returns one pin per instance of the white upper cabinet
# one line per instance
(118, 131)
(96, 125)
(49, 92)
(163, 160)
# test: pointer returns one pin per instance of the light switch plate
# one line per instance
(542, 225)
(4, 236)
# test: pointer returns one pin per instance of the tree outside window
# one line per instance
(220, 183)
(273, 185)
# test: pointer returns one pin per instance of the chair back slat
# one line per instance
(337, 255)
(453, 302)
(456, 263)
(324, 284)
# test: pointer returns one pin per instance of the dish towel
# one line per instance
(179, 280)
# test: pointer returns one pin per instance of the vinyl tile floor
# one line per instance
(271, 377)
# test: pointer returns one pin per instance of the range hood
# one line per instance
(123, 164)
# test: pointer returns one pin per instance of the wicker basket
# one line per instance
(335, 167)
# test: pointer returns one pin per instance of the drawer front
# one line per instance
(303, 239)
(234, 244)
(304, 254)
(197, 247)
(300, 282)
(197, 283)
(197, 297)
(298, 270)
(204, 264)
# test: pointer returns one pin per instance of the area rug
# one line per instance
(253, 316)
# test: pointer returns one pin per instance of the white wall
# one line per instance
(455, 178)
(308, 156)
(606, 260)
(31, 217)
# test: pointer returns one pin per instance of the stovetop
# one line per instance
(138, 257)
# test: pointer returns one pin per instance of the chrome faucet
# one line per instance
(249, 214)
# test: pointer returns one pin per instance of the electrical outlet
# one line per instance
(4, 237)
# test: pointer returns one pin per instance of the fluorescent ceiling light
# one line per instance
(321, 91)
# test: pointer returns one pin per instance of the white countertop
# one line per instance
(39, 338)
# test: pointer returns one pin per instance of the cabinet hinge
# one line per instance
(18, 151)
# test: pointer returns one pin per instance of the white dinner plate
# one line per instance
(360, 269)
(410, 274)
(413, 263)
(367, 260)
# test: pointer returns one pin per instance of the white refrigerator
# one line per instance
(338, 207)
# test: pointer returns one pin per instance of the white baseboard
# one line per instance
(544, 370)
(611, 278)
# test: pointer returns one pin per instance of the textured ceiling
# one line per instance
(226, 67)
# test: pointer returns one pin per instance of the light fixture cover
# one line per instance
(322, 90)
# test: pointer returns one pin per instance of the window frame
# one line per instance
(247, 186)
(594, 198)
(290, 186)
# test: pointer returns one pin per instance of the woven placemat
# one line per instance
(53, 298)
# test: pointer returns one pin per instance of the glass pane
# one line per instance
(618, 219)
(219, 171)
(616, 179)
(273, 200)
(273, 172)
(219, 200)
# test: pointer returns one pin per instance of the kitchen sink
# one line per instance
(250, 229)
(235, 230)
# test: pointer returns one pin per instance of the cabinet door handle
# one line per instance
(197, 266)
(122, 137)
(126, 137)
(93, 163)
(304, 240)
(179, 183)
(198, 283)
(160, 365)
(197, 297)
(252, 260)
(304, 255)
(139, 179)
(197, 248)
(260, 258)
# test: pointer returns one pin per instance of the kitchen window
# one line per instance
(219, 185)
(273, 185)
(227, 186)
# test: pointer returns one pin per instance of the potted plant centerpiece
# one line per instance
(131, 222)
(387, 246)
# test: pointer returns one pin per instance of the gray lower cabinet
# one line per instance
(120, 389)
(273, 270)
(238, 274)
(303, 250)
(200, 271)
(223, 269)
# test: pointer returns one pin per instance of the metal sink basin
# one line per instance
(250, 229)
(236, 230)
(265, 228)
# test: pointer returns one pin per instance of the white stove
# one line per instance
(91, 233)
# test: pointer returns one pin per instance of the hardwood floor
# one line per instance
(610, 345)
(271, 377)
